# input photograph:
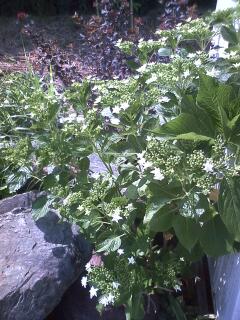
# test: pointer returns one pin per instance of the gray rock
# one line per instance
(38, 260)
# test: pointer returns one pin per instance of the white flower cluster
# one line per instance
(145, 164)
(111, 114)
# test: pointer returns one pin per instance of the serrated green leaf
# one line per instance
(229, 206)
(109, 245)
(192, 136)
(187, 123)
(215, 238)
(132, 192)
(187, 231)
(216, 99)
(229, 34)
(18, 179)
(40, 207)
(154, 205)
(162, 220)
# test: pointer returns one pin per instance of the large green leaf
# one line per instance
(229, 206)
(229, 34)
(215, 238)
(162, 220)
(216, 100)
(109, 245)
(166, 190)
(187, 123)
(40, 207)
(192, 136)
(135, 307)
(18, 179)
(187, 231)
(154, 205)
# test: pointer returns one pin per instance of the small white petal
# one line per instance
(84, 282)
(152, 79)
(157, 174)
(93, 292)
(115, 121)
(88, 267)
(115, 285)
(120, 251)
(131, 260)
(124, 105)
(116, 109)
(208, 166)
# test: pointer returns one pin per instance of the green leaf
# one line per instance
(229, 34)
(18, 179)
(132, 192)
(84, 164)
(192, 136)
(154, 205)
(162, 220)
(215, 238)
(165, 52)
(132, 64)
(229, 206)
(187, 123)
(109, 245)
(135, 307)
(187, 231)
(40, 207)
(176, 308)
(195, 255)
(216, 99)
(165, 189)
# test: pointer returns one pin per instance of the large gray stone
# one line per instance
(38, 260)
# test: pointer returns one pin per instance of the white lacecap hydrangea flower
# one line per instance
(106, 300)
(131, 260)
(119, 42)
(88, 267)
(50, 169)
(115, 121)
(120, 251)
(198, 63)
(130, 207)
(81, 207)
(164, 99)
(115, 285)
(93, 292)
(177, 288)
(84, 282)
(208, 166)
(116, 215)
(191, 55)
(186, 73)
(199, 212)
(236, 65)
(116, 109)
(157, 174)
(142, 162)
(212, 73)
(124, 105)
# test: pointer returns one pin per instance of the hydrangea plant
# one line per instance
(168, 138)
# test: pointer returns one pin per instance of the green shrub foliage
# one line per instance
(168, 138)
